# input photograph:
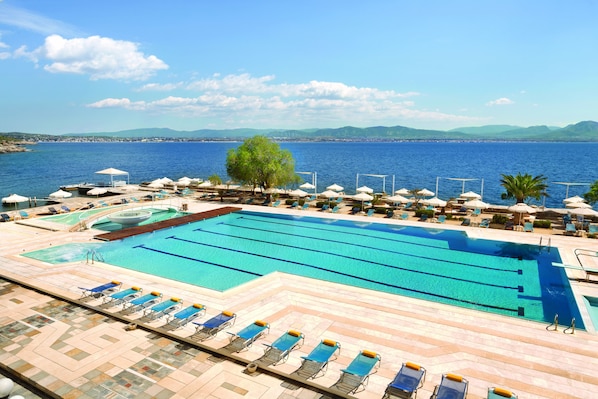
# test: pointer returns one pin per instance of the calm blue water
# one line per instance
(414, 165)
(438, 265)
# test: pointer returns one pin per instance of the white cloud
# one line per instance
(500, 101)
(244, 100)
(25, 19)
(98, 57)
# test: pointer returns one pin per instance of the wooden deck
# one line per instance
(148, 228)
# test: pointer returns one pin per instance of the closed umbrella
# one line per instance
(60, 194)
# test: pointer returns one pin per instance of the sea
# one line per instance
(446, 168)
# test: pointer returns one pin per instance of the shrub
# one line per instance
(499, 219)
(428, 212)
(544, 224)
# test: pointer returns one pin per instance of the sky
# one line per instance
(71, 66)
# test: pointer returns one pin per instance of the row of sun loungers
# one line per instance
(354, 378)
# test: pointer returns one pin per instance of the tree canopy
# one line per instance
(260, 162)
(592, 195)
(522, 187)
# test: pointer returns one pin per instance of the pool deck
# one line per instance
(78, 350)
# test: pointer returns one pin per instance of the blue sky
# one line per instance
(72, 66)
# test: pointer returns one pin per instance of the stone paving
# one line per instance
(77, 350)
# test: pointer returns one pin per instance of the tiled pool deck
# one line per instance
(77, 350)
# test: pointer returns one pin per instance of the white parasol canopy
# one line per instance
(206, 183)
(471, 195)
(307, 186)
(363, 197)
(329, 194)
(425, 193)
(14, 199)
(402, 191)
(475, 204)
(156, 184)
(397, 198)
(521, 208)
(60, 194)
(364, 189)
(576, 198)
(583, 212)
(97, 191)
(335, 187)
(435, 201)
(578, 205)
(298, 193)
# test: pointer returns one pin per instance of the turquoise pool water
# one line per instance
(433, 264)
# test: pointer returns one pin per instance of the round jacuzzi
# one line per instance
(130, 218)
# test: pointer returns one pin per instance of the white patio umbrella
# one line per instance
(205, 183)
(60, 194)
(521, 208)
(14, 199)
(364, 189)
(435, 201)
(97, 191)
(402, 191)
(362, 197)
(298, 193)
(307, 186)
(328, 194)
(425, 193)
(156, 184)
(578, 205)
(583, 212)
(576, 198)
(335, 187)
(475, 204)
(397, 198)
(113, 172)
(471, 195)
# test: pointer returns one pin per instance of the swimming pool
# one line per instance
(433, 264)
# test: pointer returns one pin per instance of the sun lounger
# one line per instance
(24, 215)
(276, 203)
(4, 217)
(316, 363)
(163, 308)
(103, 203)
(101, 290)
(120, 297)
(279, 350)
(528, 227)
(441, 219)
(452, 386)
(408, 380)
(305, 206)
(593, 228)
(335, 209)
(370, 212)
(65, 208)
(143, 302)
(485, 223)
(390, 214)
(325, 207)
(247, 336)
(466, 222)
(294, 205)
(214, 325)
(404, 216)
(186, 316)
(355, 377)
(570, 229)
(500, 393)
(52, 210)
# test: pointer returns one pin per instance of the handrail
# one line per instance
(570, 328)
(554, 323)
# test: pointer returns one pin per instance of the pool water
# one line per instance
(432, 264)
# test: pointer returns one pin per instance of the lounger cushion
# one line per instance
(155, 293)
(136, 288)
(227, 313)
(197, 305)
(368, 353)
(295, 333)
(413, 366)
(260, 323)
(454, 377)
(329, 342)
(115, 282)
(503, 392)
(175, 299)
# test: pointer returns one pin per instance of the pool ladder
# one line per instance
(548, 246)
(93, 255)
(555, 325)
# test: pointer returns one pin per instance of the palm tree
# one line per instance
(522, 187)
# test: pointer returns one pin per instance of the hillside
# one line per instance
(585, 131)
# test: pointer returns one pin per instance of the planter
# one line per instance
(251, 368)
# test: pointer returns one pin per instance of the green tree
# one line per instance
(260, 162)
(592, 195)
(522, 187)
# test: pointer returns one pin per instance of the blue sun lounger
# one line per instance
(101, 290)
(280, 349)
(452, 386)
(408, 380)
(500, 393)
(356, 376)
(214, 325)
(247, 336)
(143, 302)
(316, 363)
(163, 308)
(186, 316)
(120, 297)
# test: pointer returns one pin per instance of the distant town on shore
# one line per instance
(585, 131)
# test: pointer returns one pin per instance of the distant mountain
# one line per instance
(582, 131)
